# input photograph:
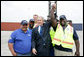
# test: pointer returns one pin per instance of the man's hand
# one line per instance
(10, 45)
(54, 7)
(77, 53)
(34, 51)
(52, 16)
(14, 54)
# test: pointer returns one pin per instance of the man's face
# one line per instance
(35, 17)
(70, 23)
(40, 21)
(31, 24)
(24, 27)
(63, 22)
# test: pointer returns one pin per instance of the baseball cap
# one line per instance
(62, 17)
(23, 22)
(31, 20)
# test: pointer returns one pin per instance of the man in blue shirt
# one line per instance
(20, 42)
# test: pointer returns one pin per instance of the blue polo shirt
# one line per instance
(21, 41)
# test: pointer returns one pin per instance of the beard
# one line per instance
(31, 25)
(63, 24)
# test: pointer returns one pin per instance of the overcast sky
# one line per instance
(15, 11)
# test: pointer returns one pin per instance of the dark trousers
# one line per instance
(52, 51)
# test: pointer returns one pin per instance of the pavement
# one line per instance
(5, 36)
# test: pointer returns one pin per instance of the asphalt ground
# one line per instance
(5, 35)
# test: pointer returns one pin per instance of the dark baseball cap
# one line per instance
(24, 22)
(62, 17)
(31, 20)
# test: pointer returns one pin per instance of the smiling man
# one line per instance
(20, 42)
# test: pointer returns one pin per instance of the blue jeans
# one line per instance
(18, 54)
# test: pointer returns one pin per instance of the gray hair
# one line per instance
(41, 18)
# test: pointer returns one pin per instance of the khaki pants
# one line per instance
(62, 53)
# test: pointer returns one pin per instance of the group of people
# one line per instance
(51, 38)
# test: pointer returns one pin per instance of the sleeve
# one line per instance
(33, 39)
(12, 38)
(75, 36)
(48, 24)
(55, 27)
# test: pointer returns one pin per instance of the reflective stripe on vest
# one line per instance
(62, 41)
(65, 39)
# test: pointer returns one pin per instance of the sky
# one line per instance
(16, 11)
(73, 10)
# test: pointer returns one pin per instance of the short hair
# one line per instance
(69, 21)
(35, 15)
(41, 17)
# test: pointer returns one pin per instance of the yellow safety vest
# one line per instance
(52, 33)
(64, 38)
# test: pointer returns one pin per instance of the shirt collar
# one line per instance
(29, 29)
(23, 31)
